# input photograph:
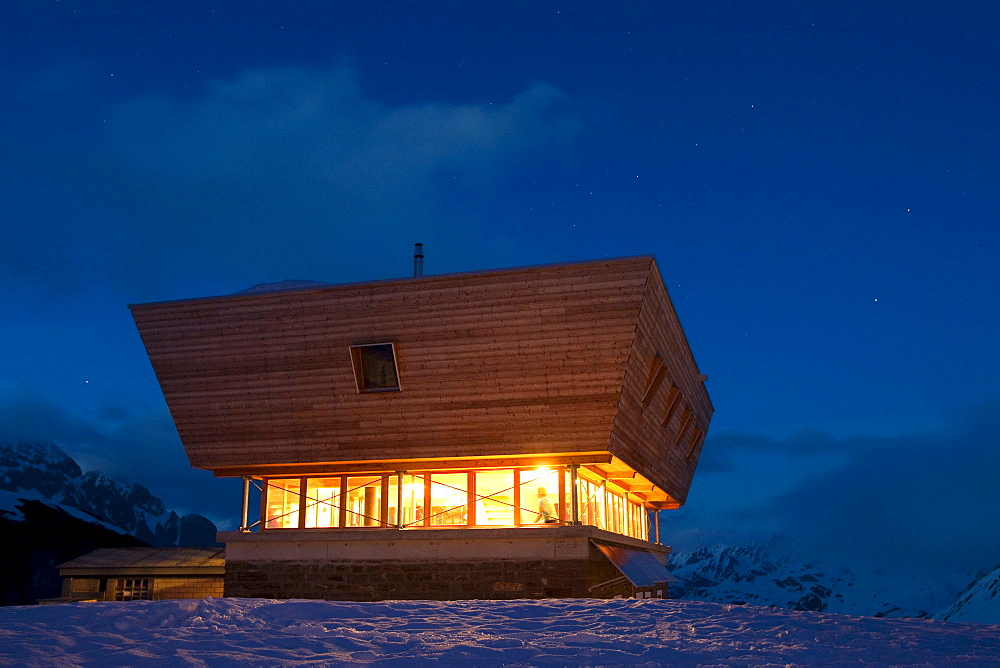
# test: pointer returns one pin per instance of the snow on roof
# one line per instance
(282, 286)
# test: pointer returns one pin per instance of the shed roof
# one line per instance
(150, 560)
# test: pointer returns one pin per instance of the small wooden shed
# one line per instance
(143, 574)
(497, 418)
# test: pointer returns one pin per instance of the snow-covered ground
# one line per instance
(220, 632)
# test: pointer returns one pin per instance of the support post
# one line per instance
(244, 517)
(656, 525)
(605, 512)
(574, 494)
(399, 499)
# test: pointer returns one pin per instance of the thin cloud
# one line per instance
(142, 449)
(929, 499)
(277, 169)
(926, 500)
(25, 415)
(280, 167)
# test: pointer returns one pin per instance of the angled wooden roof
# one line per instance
(506, 363)
(148, 560)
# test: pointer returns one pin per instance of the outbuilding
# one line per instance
(142, 574)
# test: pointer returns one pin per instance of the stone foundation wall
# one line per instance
(429, 580)
(429, 564)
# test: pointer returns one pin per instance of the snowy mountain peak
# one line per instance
(36, 465)
(42, 471)
(980, 602)
(775, 574)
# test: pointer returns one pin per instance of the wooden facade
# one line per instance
(583, 363)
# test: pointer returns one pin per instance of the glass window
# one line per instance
(413, 500)
(132, 589)
(282, 499)
(616, 519)
(375, 367)
(449, 499)
(567, 496)
(364, 501)
(322, 502)
(498, 497)
(622, 511)
(494, 498)
(539, 496)
(591, 499)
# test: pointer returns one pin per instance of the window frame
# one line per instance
(357, 365)
(617, 510)
(133, 589)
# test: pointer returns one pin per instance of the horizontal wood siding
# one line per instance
(640, 437)
(513, 362)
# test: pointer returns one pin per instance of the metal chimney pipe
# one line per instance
(418, 259)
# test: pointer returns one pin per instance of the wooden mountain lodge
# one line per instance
(497, 434)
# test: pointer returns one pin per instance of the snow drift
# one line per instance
(262, 632)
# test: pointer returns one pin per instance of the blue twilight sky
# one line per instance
(818, 183)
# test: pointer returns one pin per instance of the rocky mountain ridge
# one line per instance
(979, 602)
(40, 471)
(51, 512)
(773, 573)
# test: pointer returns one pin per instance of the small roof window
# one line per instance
(375, 367)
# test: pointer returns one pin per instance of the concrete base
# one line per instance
(435, 564)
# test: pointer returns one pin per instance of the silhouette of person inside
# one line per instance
(546, 511)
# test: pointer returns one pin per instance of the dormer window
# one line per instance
(375, 367)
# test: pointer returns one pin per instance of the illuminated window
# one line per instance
(617, 505)
(375, 367)
(494, 498)
(634, 520)
(322, 502)
(449, 499)
(508, 497)
(281, 503)
(591, 499)
(132, 589)
(412, 498)
(539, 495)
(364, 501)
